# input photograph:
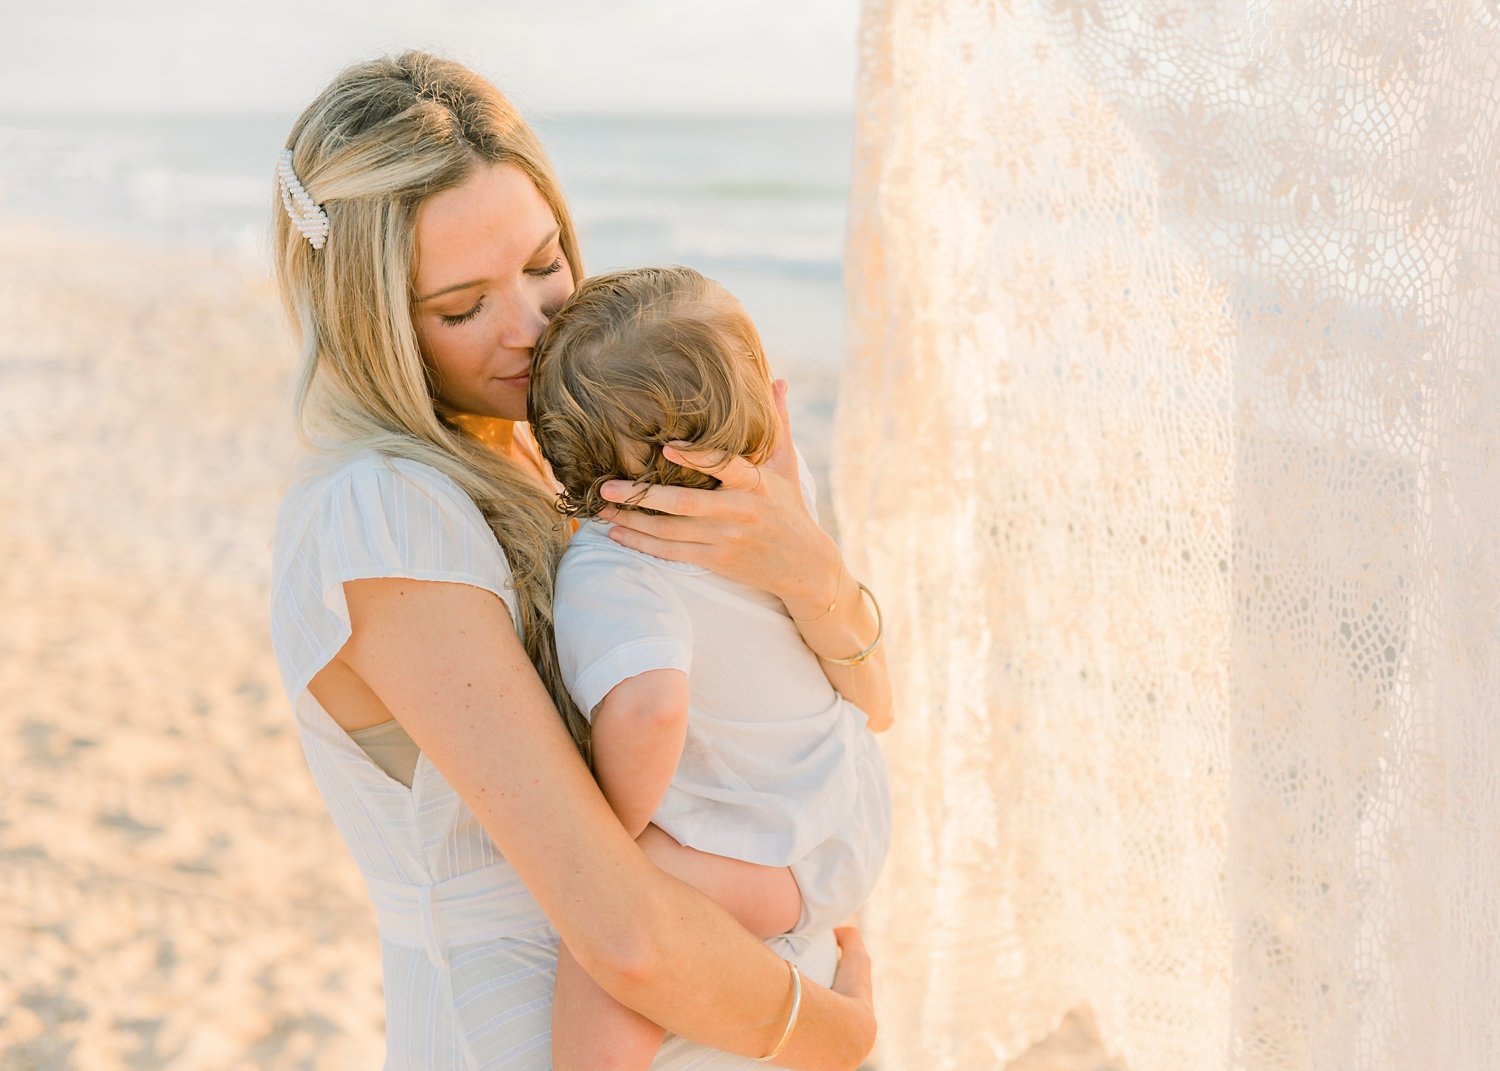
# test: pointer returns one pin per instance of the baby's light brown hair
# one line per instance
(647, 356)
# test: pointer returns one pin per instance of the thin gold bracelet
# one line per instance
(856, 659)
(838, 589)
(791, 1020)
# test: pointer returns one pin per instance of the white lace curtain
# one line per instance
(1170, 437)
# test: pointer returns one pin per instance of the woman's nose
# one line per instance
(522, 322)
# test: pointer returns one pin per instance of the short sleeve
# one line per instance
(615, 616)
(372, 517)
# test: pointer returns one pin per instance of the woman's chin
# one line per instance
(508, 399)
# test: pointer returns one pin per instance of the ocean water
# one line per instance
(757, 203)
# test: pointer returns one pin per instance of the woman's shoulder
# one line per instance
(376, 515)
(369, 489)
(325, 475)
(368, 516)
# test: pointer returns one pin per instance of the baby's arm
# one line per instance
(639, 729)
(638, 732)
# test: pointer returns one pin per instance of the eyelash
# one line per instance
(465, 317)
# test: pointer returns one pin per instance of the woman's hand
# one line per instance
(855, 1012)
(753, 528)
(852, 976)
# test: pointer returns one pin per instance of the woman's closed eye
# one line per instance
(464, 317)
(456, 319)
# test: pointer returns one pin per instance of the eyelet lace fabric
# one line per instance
(1170, 436)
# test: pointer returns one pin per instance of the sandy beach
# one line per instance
(172, 892)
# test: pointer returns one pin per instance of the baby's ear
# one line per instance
(663, 470)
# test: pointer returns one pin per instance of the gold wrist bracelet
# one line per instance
(838, 587)
(856, 659)
(791, 1020)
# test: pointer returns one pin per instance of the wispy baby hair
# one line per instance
(637, 359)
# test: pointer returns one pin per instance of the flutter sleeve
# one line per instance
(371, 517)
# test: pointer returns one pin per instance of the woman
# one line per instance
(423, 247)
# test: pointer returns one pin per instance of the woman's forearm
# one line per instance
(846, 626)
(702, 976)
(755, 528)
(446, 661)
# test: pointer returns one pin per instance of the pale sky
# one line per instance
(113, 56)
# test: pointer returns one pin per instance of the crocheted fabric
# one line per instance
(1170, 438)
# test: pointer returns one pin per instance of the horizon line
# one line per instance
(531, 114)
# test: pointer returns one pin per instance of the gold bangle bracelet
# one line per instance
(791, 1020)
(856, 659)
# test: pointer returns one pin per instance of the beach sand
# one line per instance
(172, 891)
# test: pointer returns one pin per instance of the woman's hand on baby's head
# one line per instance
(743, 473)
(754, 528)
(734, 473)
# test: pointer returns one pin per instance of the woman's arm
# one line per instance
(446, 661)
(755, 528)
(849, 624)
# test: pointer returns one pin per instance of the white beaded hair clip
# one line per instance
(307, 215)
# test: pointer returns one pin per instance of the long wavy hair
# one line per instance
(371, 148)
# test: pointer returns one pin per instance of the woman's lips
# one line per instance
(516, 380)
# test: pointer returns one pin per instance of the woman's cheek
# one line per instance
(562, 289)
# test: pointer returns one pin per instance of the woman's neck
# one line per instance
(499, 435)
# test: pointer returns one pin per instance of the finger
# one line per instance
(680, 501)
(852, 976)
(735, 473)
(783, 456)
(851, 941)
(663, 526)
(706, 461)
(670, 549)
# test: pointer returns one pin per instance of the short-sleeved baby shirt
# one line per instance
(777, 765)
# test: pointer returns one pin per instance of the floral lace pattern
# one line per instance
(1170, 437)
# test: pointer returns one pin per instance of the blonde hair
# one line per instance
(639, 359)
(371, 148)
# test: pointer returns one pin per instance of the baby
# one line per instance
(716, 735)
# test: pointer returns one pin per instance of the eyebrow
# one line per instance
(543, 244)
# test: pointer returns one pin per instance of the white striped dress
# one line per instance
(467, 955)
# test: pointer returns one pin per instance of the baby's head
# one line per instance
(637, 359)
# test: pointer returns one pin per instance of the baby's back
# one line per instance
(774, 756)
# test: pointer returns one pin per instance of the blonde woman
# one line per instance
(422, 247)
(716, 732)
